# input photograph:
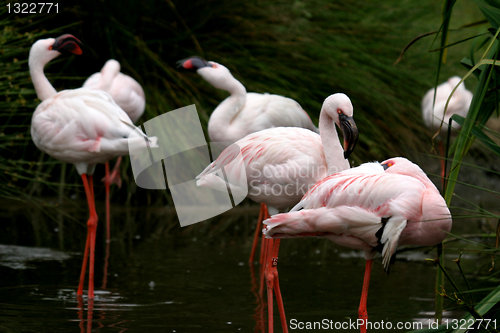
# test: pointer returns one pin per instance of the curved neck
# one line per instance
(227, 110)
(334, 153)
(43, 87)
(108, 74)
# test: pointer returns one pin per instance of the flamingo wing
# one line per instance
(82, 125)
(267, 110)
(362, 210)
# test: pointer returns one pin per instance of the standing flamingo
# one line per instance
(368, 209)
(433, 111)
(282, 163)
(129, 95)
(79, 126)
(243, 113)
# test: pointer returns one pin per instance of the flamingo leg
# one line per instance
(107, 184)
(110, 178)
(273, 284)
(362, 313)
(86, 252)
(258, 232)
(442, 162)
(91, 233)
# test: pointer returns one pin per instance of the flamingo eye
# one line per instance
(387, 165)
(339, 111)
(214, 66)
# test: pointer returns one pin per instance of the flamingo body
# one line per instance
(282, 163)
(83, 127)
(271, 169)
(459, 104)
(369, 210)
(126, 91)
(243, 113)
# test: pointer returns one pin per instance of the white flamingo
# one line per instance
(81, 126)
(282, 163)
(368, 209)
(243, 113)
(433, 112)
(129, 95)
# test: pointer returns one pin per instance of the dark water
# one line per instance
(164, 278)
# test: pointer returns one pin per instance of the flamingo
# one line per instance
(81, 126)
(459, 104)
(433, 111)
(282, 163)
(369, 209)
(243, 113)
(129, 95)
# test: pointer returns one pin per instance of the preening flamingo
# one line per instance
(433, 111)
(129, 95)
(282, 163)
(81, 126)
(459, 104)
(243, 113)
(369, 209)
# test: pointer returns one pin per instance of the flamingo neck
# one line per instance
(334, 153)
(227, 111)
(108, 74)
(43, 87)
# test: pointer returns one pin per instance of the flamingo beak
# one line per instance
(350, 132)
(67, 43)
(192, 64)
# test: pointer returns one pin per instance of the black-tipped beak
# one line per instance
(350, 132)
(68, 44)
(192, 64)
(385, 166)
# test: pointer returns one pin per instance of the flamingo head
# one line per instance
(402, 166)
(215, 74)
(341, 111)
(44, 50)
(192, 64)
(67, 44)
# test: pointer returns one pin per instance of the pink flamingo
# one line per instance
(244, 113)
(282, 163)
(129, 95)
(81, 126)
(368, 209)
(433, 111)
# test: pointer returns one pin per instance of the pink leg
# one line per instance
(91, 229)
(107, 184)
(105, 270)
(273, 284)
(265, 249)
(362, 313)
(441, 153)
(84, 266)
(114, 177)
(258, 232)
(86, 252)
